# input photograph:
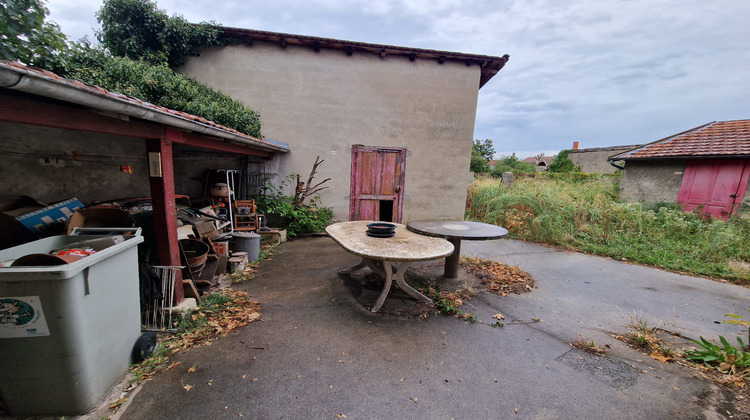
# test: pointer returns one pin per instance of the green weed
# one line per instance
(725, 356)
(583, 212)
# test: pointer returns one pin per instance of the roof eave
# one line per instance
(489, 65)
(23, 80)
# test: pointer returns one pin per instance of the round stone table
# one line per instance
(456, 231)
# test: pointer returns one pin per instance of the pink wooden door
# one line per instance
(716, 185)
(377, 183)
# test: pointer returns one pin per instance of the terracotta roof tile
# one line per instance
(133, 100)
(716, 139)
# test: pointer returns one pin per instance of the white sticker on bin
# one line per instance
(22, 317)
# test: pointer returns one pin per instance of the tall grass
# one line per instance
(583, 212)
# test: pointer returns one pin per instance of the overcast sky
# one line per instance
(600, 72)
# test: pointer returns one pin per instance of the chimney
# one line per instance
(575, 145)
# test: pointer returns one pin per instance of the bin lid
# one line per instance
(245, 235)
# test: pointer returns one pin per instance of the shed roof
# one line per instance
(19, 77)
(489, 65)
(722, 139)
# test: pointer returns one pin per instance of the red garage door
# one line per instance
(716, 186)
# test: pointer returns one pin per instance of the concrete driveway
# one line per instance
(319, 353)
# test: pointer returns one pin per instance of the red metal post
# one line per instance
(165, 209)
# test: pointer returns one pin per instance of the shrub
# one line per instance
(300, 219)
(159, 85)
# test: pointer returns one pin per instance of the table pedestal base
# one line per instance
(451, 261)
(387, 271)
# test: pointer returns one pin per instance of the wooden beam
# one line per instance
(164, 206)
(24, 110)
(205, 142)
(27, 110)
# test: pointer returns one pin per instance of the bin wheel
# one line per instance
(144, 346)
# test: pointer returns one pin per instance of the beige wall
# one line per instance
(322, 103)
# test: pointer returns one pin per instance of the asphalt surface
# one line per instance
(319, 353)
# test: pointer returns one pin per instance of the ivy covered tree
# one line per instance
(137, 29)
(25, 36)
(562, 163)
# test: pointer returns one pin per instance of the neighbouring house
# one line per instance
(595, 159)
(394, 125)
(61, 139)
(705, 168)
(541, 162)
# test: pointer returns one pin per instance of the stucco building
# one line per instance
(704, 168)
(393, 124)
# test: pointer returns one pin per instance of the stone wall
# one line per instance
(51, 165)
(594, 159)
(656, 181)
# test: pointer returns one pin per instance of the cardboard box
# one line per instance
(222, 248)
(207, 229)
(99, 217)
(51, 218)
(273, 236)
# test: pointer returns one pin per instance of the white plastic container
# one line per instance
(74, 326)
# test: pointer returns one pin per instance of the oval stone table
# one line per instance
(404, 247)
(456, 231)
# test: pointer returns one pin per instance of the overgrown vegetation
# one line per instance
(298, 219)
(137, 29)
(563, 164)
(25, 36)
(140, 47)
(158, 84)
(582, 212)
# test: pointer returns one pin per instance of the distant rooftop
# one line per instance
(715, 139)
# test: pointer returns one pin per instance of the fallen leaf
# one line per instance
(341, 416)
(192, 369)
(186, 387)
(210, 382)
(415, 400)
(495, 379)
(173, 365)
(675, 388)
(118, 403)
(330, 386)
(341, 361)
(402, 380)
(657, 355)
(498, 316)
(515, 410)
(244, 376)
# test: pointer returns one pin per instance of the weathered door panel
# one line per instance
(716, 186)
(377, 183)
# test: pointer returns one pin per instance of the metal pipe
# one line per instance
(612, 162)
